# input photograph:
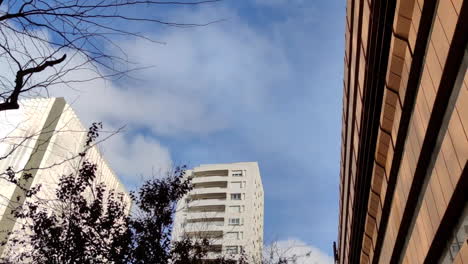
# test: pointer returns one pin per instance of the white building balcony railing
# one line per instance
(213, 255)
(208, 190)
(203, 179)
(203, 227)
(207, 202)
(204, 215)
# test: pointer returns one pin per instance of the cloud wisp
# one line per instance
(204, 81)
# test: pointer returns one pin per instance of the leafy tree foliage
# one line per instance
(87, 223)
(156, 202)
(84, 224)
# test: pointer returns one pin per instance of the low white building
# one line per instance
(43, 138)
(225, 206)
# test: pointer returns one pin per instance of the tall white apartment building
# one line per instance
(43, 138)
(225, 206)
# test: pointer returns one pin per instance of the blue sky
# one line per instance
(264, 85)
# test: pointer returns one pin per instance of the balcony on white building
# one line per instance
(207, 195)
(209, 173)
(211, 235)
(211, 190)
(204, 226)
(210, 179)
(211, 184)
(206, 202)
(206, 208)
(204, 215)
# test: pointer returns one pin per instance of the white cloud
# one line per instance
(136, 157)
(296, 249)
(200, 82)
(98, 100)
(204, 80)
(225, 68)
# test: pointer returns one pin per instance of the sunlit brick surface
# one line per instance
(448, 161)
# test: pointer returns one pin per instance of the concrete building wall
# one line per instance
(404, 138)
(43, 138)
(226, 206)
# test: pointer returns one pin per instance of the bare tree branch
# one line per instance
(12, 101)
(37, 35)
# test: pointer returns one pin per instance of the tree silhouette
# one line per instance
(152, 224)
(84, 223)
(88, 223)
